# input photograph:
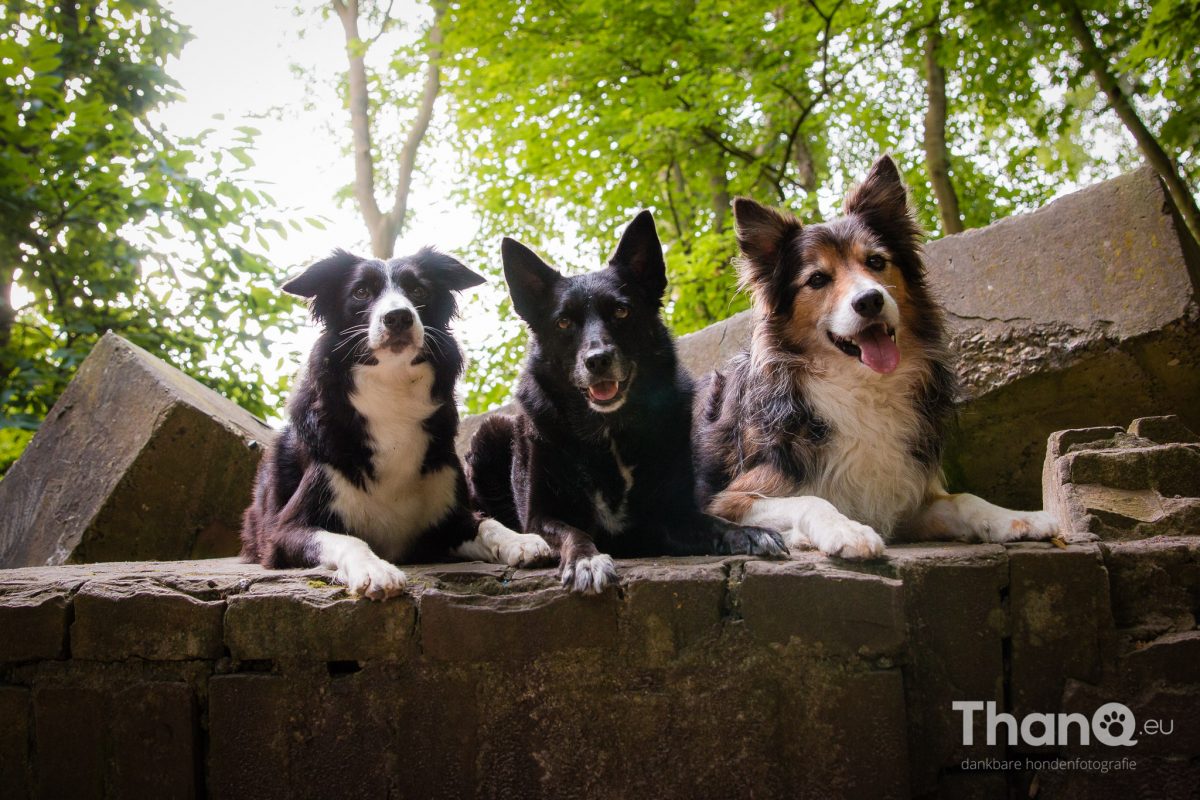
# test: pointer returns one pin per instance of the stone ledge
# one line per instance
(775, 678)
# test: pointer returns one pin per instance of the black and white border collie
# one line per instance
(599, 455)
(830, 428)
(365, 473)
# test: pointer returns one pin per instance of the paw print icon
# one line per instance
(1113, 725)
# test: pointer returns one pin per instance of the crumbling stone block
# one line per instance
(957, 624)
(135, 461)
(1077, 314)
(1154, 585)
(33, 625)
(522, 626)
(1061, 622)
(129, 619)
(1115, 484)
(313, 620)
(668, 608)
(841, 612)
(14, 741)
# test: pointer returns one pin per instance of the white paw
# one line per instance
(523, 550)
(368, 575)
(848, 539)
(1030, 525)
(590, 575)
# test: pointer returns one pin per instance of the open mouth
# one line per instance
(608, 394)
(875, 346)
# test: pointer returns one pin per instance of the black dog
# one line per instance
(367, 467)
(600, 452)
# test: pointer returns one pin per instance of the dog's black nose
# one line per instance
(398, 319)
(598, 361)
(869, 303)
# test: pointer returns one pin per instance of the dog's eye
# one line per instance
(563, 323)
(876, 262)
(818, 280)
(419, 294)
(361, 293)
(621, 312)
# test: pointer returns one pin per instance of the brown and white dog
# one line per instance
(830, 428)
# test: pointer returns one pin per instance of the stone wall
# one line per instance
(698, 678)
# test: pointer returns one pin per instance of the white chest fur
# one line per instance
(399, 503)
(614, 519)
(866, 468)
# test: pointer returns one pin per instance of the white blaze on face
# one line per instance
(392, 299)
(846, 322)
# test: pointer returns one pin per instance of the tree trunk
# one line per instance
(1096, 61)
(937, 156)
(384, 227)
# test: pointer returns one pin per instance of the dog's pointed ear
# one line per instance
(882, 191)
(762, 234)
(530, 280)
(639, 256)
(310, 282)
(448, 271)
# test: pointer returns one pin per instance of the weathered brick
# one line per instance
(956, 626)
(668, 608)
(1061, 622)
(154, 741)
(1154, 584)
(515, 626)
(115, 620)
(293, 619)
(842, 612)
(14, 742)
(250, 725)
(837, 724)
(33, 625)
(70, 733)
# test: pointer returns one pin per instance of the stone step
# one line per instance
(698, 677)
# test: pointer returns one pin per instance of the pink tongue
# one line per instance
(879, 352)
(604, 390)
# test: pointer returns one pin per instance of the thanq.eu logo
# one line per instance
(1112, 724)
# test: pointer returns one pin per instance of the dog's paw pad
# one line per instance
(591, 575)
(854, 541)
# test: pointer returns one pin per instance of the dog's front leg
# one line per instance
(968, 518)
(757, 497)
(706, 535)
(357, 566)
(815, 522)
(583, 568)
(498, 544)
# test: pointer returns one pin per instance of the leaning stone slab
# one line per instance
(1077, 314)
(135, 461)
(1118, 484)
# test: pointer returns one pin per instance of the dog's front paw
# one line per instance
(1032, 526)
(525, 550)
(368, 575)
(852, 540)
(589, 575)
(751, 541)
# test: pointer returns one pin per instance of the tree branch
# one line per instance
(408, 155)
(1096, 62)
(937, 156)
(360, 121)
